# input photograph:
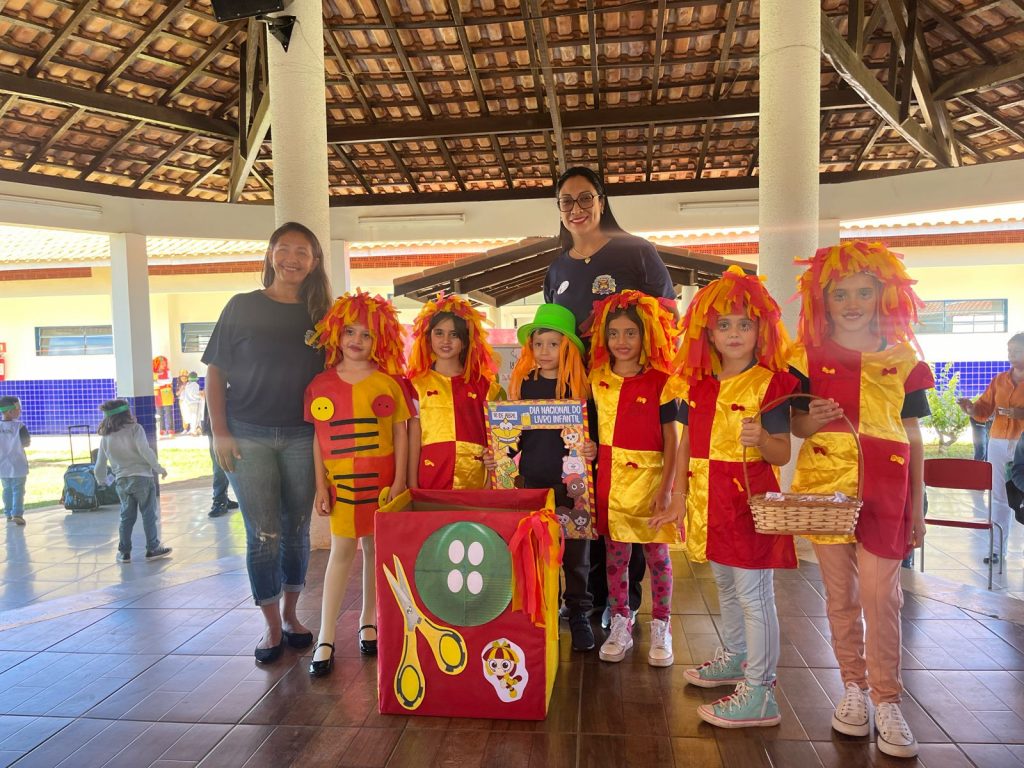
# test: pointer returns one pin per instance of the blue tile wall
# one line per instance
(49, 406)
(974, 375)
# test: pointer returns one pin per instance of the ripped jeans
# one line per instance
(274, 483)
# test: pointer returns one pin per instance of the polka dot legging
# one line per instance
(658, 563)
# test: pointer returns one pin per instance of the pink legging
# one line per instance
(659, 564)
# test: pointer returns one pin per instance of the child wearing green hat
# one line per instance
(550, 367)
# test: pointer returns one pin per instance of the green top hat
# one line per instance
(552, 317)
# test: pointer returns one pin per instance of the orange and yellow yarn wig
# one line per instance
(897, 302)
(659, 327)
(481, 362)
(735, 292)
(572, 374)
(379, 317)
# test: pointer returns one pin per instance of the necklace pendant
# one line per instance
(586, 260)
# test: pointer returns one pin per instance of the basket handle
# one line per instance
(853, 430)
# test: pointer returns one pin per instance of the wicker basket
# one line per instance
(806, 513)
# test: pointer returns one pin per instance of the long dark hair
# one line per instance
(608, 223)
(315, 291)
(112, 422)
(461, 331)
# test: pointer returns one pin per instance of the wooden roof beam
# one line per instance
(549, 94)
(204, 176)
(350, 166)
(978, 106)
(214, 50)
(855, 25)
(869, 144)
(716, 93)
(577, 120)
(595, 79)
(60, 36)
(659, 42)
(115, 145)
(467, 55)
(243, 157)
(501, 160)
(979, 78)
(401, 167)
(403, 59)
(908, 36)
(112, 104)
(58, 133)
(861, 79)
(179, 145)
(946, 21)
(141, 44)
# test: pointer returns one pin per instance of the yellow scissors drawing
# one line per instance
(448, 646)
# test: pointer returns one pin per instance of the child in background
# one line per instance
(125, 447)
(190, 400)
(856, 321)
(14, 439)
(358, 408)
(550, 366)
(632, 345)
(734, 347)
(453, 372)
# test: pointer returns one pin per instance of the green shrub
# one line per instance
(947, 418)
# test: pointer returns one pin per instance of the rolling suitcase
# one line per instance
(79, 482)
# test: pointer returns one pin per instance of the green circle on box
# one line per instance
(464, 574)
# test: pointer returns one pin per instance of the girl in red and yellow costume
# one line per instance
(633, 339)
(453, 373)
(855, 336)
(731, 365)
(358, 408)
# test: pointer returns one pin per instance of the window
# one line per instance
(74, 340)
(195, 336)
(963, 316)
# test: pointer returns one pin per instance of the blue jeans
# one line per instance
(275, 484)
(14, 496)
(750, 623)
(220, 479)
(137, 494)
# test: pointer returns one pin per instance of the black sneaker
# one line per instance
(232, 504)
(582, 633)
(993, 557)
(219, 509)
(157, 553)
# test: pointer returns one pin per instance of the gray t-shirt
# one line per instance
(128, 453)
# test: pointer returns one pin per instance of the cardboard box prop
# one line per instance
(506, 421)
(467, 603)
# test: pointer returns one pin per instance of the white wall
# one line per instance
(25, 204)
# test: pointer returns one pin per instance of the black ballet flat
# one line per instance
(367, 647)
(298, 640)
(270, 655)
(321, 668)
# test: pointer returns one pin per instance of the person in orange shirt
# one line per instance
(1003, 403)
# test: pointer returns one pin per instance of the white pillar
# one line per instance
(133, 344)
(298, 120)
(339, 267)
(788, 136)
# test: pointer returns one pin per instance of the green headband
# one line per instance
(118, 409)
(11, 407)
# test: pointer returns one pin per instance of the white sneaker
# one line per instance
(660, 653)
(620, 640)
(894, 736)
(851, 716)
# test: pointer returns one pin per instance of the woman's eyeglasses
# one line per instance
(584, 201)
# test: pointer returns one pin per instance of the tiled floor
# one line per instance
(151, 665)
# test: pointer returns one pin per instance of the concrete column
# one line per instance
(828, 232)
(789, 136)
(338, 267)
(133, 345)
(298, 120)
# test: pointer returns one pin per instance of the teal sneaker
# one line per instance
(724, 669)
(748, 706)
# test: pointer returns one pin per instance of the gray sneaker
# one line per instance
(157, 553)
(124, 558)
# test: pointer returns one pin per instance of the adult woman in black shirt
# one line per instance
(258, 368)
(599, 258)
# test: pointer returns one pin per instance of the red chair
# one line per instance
(966, 475)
